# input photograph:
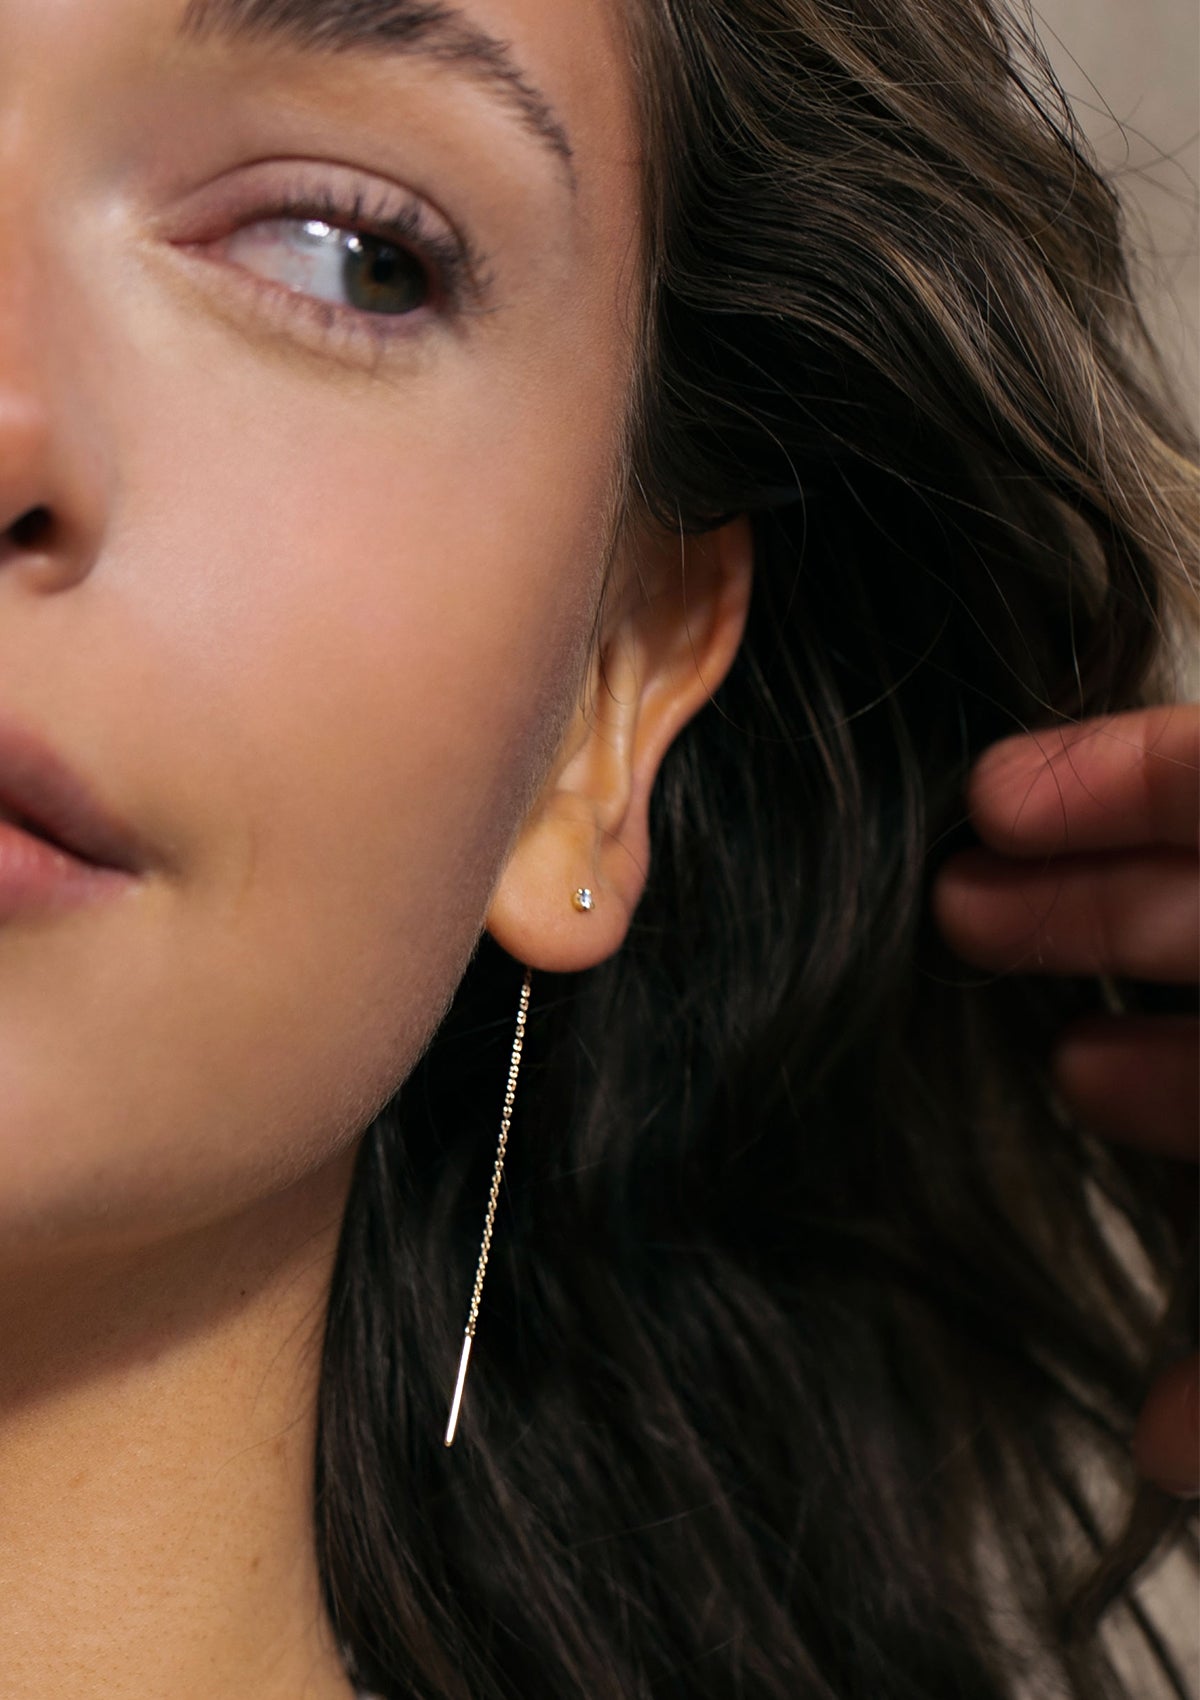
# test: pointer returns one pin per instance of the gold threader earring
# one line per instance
(583, 900)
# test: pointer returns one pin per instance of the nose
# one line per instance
(51, 486)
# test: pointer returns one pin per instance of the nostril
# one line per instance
(33, 530)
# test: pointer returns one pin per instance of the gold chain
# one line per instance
(510, 1091)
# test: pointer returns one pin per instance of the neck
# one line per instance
(157, 1427)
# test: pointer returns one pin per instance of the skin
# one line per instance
(315, 612)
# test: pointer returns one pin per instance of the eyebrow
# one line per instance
(421, 28)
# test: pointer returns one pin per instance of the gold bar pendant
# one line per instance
(458, 1390)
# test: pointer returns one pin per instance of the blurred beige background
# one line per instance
(1132, 70)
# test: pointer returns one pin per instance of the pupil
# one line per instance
(381, 278)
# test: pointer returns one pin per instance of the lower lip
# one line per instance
(37, 875)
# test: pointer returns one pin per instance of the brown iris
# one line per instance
(380, 277)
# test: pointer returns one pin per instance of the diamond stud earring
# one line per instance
(583, 899)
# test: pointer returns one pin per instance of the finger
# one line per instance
(1134, 1078)
(1135, 914)
(1166, 1442)
(1111, 782)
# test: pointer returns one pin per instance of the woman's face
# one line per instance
(315, 335)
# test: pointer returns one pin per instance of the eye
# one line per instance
(346, 268)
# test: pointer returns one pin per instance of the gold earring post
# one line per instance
(510, 1092)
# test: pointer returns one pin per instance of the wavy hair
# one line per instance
(815, 1327)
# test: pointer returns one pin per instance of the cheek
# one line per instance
(347, 692)
(381, 645)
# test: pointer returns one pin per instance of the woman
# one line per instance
(582, 499)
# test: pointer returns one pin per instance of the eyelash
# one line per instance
(456, 273)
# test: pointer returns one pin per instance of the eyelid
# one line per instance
(345, 196)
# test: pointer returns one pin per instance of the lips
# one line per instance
(43, 796)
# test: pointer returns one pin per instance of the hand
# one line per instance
(1091, 867)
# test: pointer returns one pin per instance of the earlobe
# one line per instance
(667, 645)
(534, 914)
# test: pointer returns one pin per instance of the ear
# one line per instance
(666, 643)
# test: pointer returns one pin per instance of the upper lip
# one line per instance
(39, 790)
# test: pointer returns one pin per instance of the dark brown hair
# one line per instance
(815, 1327)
